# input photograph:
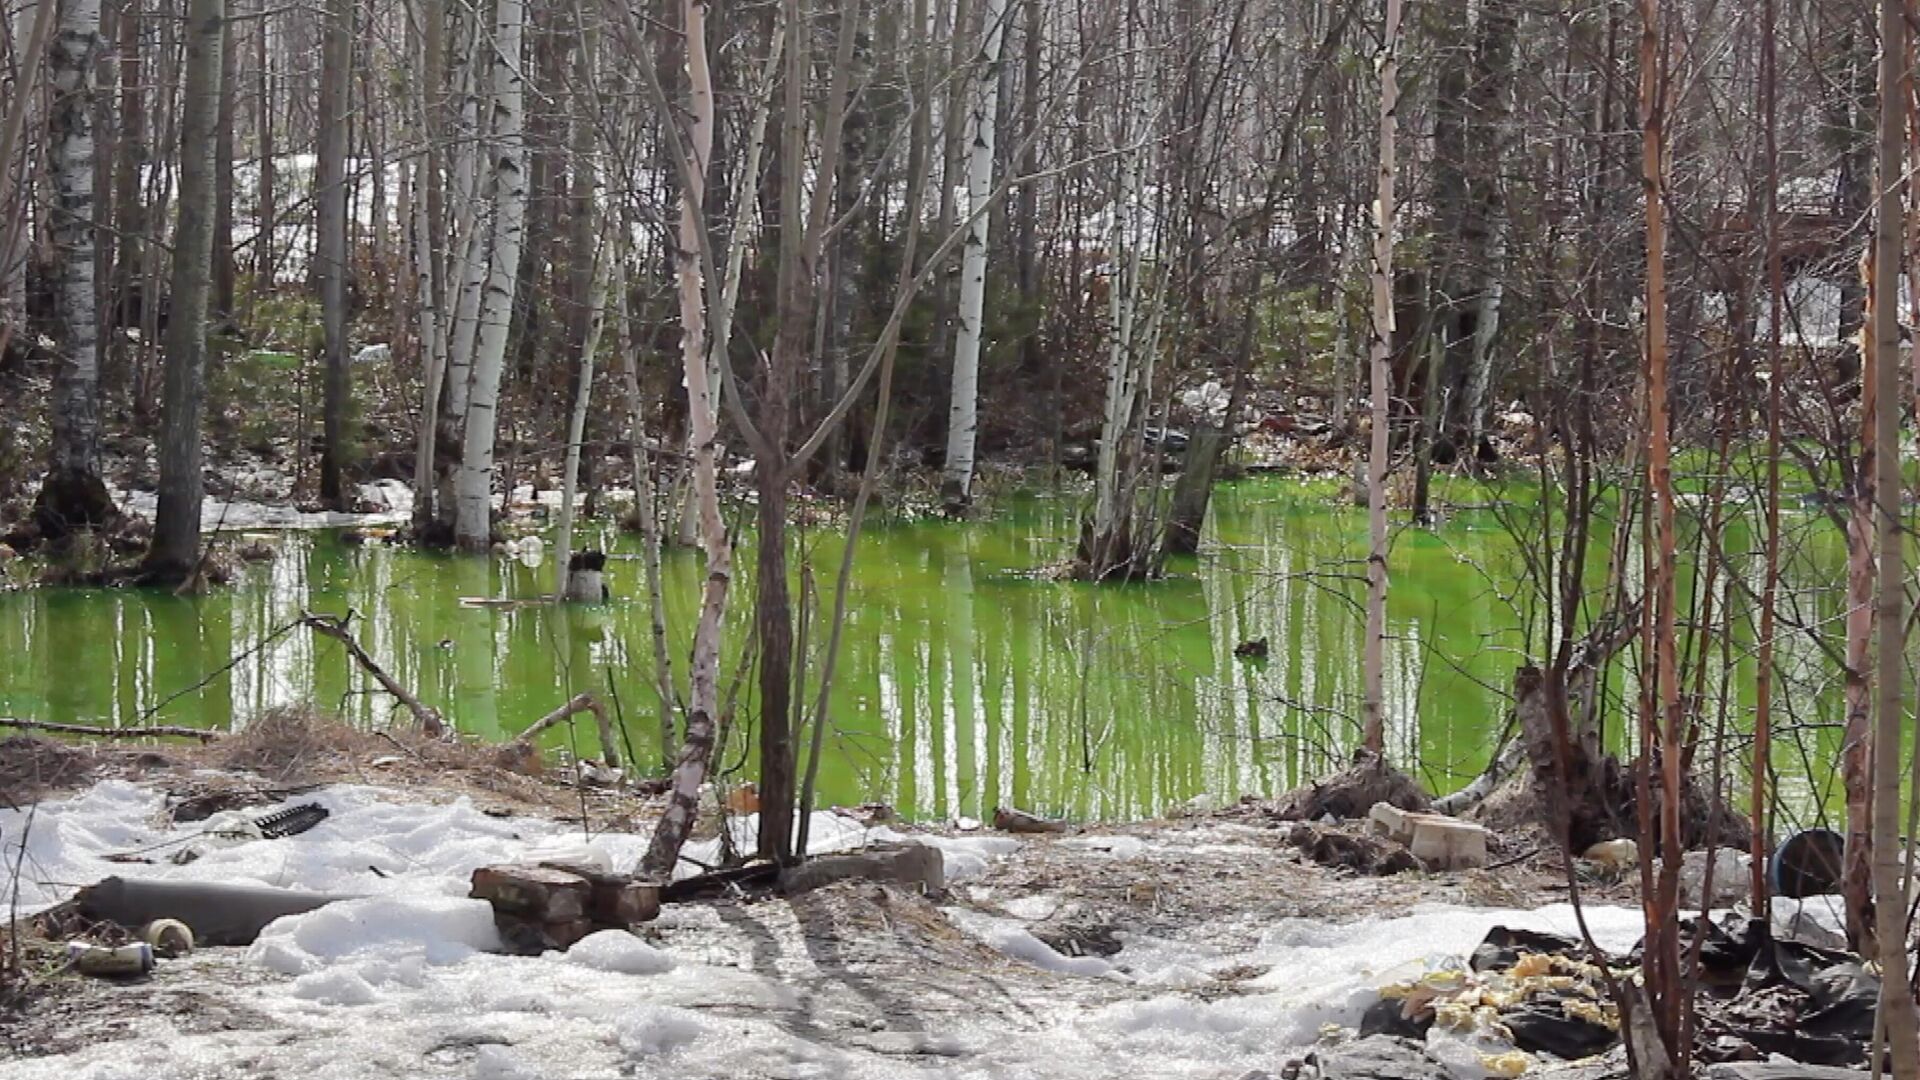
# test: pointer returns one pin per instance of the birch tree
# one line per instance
(473, 487)
(73, 495)
(696, 752)
(1373, 706)
(1110, 545)
(963, 409)
(428, 236)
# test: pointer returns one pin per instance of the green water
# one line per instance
(965, 681)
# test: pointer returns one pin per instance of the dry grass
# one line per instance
(31, 767)
(300, 746)
(293, 742)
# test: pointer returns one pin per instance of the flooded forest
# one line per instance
(977, 538)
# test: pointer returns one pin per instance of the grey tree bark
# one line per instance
(1889, 860)
(330, 227)
(174, 556)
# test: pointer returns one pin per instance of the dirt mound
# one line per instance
(31, 767)
(1352, 792)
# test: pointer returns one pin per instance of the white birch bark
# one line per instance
(429, 281)
(1124, 360)
(76, 382)
(467, 265)
(963, 407)
(690, 771)
(1373, 704)
(473, 485)
(746, 222)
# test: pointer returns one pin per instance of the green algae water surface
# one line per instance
(965, 680)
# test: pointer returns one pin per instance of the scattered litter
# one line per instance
(292, 821)
(111, 961)
(170, 938)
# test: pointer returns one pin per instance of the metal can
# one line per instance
(134, 958)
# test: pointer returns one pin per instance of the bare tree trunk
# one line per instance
(1486, 325)
(577, 426)
(1027, 210)
(263, 265)
(1194, 490)
(37, 20)
(745, 209)
(588, 282)
(1661, 719)
(428, 232)
(474, 209)
(1856, 752)
(647, 509)
(964, 401)
(690, 771)
(1896, 997)
(801, 242)
(330, 231)
(73, 496)
(223, 267)
(1761, 846)
(125, 253)
(474, 484)
(1373, 704)
(174, 555)
(1109, 543)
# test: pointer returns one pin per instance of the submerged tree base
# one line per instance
(1124, 553)
(72, 501)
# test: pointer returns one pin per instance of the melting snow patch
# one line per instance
(965, 857)
(1011, 938)
(653, 1029)
(335, 986)
(620, 952)
(1120, 847)
(498, 1063)
(380, 935)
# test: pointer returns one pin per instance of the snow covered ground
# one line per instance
(842, 983)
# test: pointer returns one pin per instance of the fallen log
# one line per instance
(150, 731)
(720, 882)
(218, 913)
(1010, 820)
(1507, 760)
(432, 724)
(915, 866)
